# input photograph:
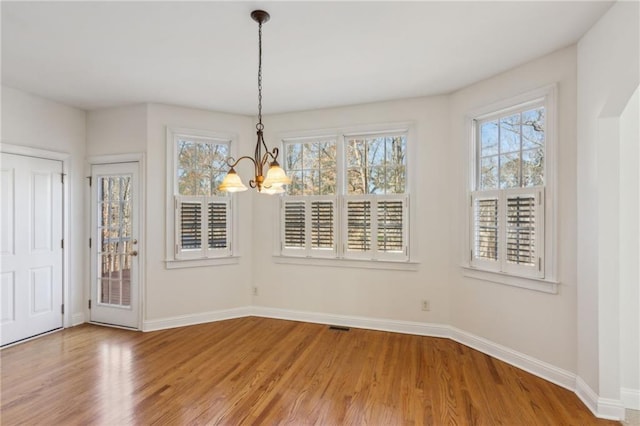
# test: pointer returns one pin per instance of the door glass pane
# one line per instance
(114, 247)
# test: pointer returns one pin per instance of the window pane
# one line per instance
(489, 138)
(489, 173)
(356, 181)
(201, 166)
(310, 181)
(521, 230)
(510, 134)
(376, 165)
(376, 152)
(396, 177)
(510, 170)
(356, 153)
(296, 185)
(293, 156)
(390, 226)
(396, 148)
(533, 167)
(486, 228)
(312, 167)
(533, 123)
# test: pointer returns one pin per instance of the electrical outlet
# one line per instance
(255, 291)
(425, 305)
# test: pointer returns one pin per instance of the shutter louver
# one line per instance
(322, 224)
(217, 217)
(359, 225)
(190, 225)
(294, 224)
(485, 218)
(521, 230)
(390, 226)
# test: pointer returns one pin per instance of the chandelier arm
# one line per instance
(232, 162)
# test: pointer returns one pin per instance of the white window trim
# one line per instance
(172, 259)
(411, 262)
(549, 284)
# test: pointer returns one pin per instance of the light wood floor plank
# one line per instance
(257, 371)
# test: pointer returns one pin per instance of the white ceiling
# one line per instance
(316, 54)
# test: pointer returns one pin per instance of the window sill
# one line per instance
(348, 263)
(196, 263)
(536, 284)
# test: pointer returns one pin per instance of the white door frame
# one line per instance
(65, 158)
(125, 158)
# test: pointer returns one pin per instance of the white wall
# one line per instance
(35, 122)
(191, 291)
(608, 58)
(630, 253)
(119, 130)
(380, 294)
(538, 324)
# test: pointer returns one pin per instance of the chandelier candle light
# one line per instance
(276, 177)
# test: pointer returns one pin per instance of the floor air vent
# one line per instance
(339, 328)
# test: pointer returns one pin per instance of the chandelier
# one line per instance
(273, 182)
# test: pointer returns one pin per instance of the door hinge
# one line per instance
(62, 244)
(89, 303)
(90, 180)
(62, 309)
(539, 264)
(62, 177)
(89, 242)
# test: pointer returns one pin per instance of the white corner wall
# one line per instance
(538, 324)
(630, 253)
(34, 122)
(359, 292)
(190, 295)
(608, 75)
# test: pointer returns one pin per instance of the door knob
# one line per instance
(134, 253)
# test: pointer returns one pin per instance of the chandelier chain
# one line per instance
(260, 126)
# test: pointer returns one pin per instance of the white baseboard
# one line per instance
(604, 408)
(406, 327)
(524, 362)
(77, 319)
(630, 398)
(200, 318)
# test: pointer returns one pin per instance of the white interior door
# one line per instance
(115, 297)
(30, 247)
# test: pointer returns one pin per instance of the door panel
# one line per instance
(114, 254)
(30, 247)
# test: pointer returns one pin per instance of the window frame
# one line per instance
(175, 257)
(339, 256)
(545, 279)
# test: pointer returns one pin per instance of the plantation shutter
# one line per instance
(376, 227)
(309, 225)
(508, 231)
(190, 224)
(294, 226)
(218, 215)
(202, 226)
(524, 231)
(485, 229)
(322, 224)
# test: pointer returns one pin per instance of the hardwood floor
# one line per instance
(266, 371)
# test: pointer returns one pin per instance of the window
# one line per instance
(200, 223)
(508, 194)
(348, 197)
